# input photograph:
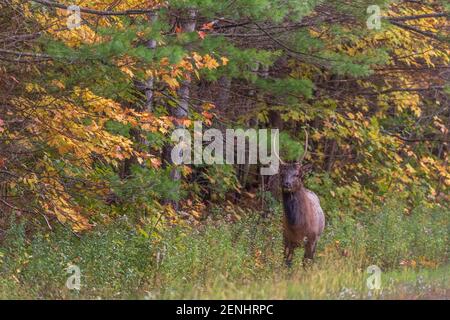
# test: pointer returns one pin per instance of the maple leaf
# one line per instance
(172, 82)
(201, 34)
(210, 62)
(208, 25)
(224, 61)
(155, 162)
(184, 122)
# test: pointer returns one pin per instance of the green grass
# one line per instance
(330, 280)
(242, 260)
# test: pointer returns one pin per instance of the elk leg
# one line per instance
(288, 253)
(310, 249)
(289, 256)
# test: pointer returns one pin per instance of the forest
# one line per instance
(98, 200)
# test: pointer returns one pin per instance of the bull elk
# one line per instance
(303, 220)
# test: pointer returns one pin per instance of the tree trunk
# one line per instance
(182, 109)
(147, 88)
(331, 156)
(223, 97)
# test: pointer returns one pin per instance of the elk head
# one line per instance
(292, 174)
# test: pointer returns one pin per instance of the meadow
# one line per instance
(240, 260)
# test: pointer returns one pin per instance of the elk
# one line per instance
(303, 220)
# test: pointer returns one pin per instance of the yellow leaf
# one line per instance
(172, 82)
(210, 62)
(224, 61)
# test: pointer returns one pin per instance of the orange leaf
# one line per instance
(207, 26)
(201, 34)
(207, 115)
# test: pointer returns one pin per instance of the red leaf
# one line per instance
(201, 34)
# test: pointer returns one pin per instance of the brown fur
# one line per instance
(304, 220)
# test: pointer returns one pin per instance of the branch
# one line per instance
(420, 16)
(284, 46)
(415, 139)
(367, 93)
(25, 54)
(96, 12)
(416, 30)
(9, 173)
(412, 89)
(33, 57)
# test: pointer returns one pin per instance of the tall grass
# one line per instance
(240, 260)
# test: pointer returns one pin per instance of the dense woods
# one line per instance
(89, 97)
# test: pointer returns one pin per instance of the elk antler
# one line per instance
(278, 157)
(300, 160)
(281, 161)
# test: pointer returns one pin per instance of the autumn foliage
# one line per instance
(86, 113)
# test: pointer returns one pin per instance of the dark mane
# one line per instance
(292, 208)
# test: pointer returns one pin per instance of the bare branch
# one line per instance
(25, 54)
(96, 12)
(416, 30)
(420, 16)
(423, 139)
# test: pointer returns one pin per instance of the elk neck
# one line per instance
(295, 206)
